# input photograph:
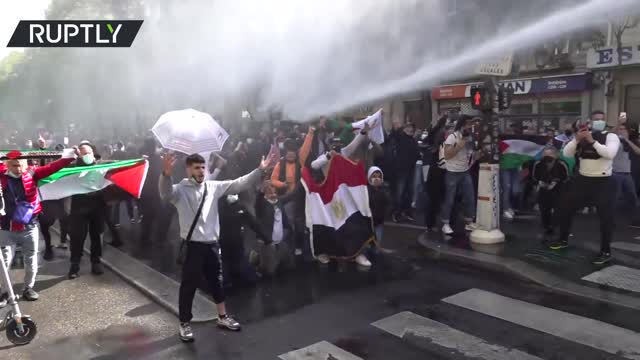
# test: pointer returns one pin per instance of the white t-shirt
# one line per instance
(462, 161)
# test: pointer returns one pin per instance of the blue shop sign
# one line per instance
(562, 84)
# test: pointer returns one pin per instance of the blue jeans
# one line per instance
(29, 238)
(379, 229)
(511, 189)
(455, 182)
(625, 189)
(403, 184)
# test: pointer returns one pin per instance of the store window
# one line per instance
(632, 102)
(562, 107)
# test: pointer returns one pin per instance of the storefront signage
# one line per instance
(521, 87)
(608, 57)
(500, 66)
(450, 92)
(561, 84)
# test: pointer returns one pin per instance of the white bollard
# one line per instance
(488, 211)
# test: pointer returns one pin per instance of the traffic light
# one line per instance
(478, 94)
(505, 95)
(481, 98)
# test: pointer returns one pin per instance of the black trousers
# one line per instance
(53, 210)
(156, 222)
(548, 200)
(435, 195)
(202, 259)
(589, 191)
(115, 212)
(79, 225)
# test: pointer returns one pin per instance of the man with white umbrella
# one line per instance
(196, 201)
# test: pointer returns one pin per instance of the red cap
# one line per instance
(13, 154)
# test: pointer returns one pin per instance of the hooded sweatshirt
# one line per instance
(378, 198)
(186, 197)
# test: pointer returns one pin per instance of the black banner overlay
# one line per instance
(85, 33)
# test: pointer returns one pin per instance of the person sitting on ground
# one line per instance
(551, 175)
(275, 251)
(234, 217)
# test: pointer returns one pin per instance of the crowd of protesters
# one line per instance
(257, 185)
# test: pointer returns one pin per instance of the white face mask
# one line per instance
(272, 201)
(88, 159)
(598, 125)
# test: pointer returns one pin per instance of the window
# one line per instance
(632, 102)
(564, 107)
(520, 109)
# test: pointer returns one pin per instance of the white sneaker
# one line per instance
(298, 252)
(508, 214)
(324, 259)
(447, 230)
(363, 261)
(471, 226)
(186, 334)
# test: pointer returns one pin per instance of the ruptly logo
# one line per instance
(103, 33)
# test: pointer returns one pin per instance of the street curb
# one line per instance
(523, 270)
(200, 302)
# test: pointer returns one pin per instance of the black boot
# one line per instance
(96, 268)
(73, 271)
(48, 254)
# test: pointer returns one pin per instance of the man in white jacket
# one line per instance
(595, 148)
(203, 255)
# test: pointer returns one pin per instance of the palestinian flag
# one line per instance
(337, 210)
(516, 150)
(128, 175)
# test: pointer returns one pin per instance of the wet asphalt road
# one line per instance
(336, 304)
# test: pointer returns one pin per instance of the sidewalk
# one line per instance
(89, 317)
(568, 271)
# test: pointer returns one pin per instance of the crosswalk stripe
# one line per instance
(617, 276)
(589, 332)
(621, 245)
(322, 350)
(406, 323)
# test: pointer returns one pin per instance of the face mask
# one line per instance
(249, 141)
(568, 133)
(281, 146)
(376, 181)
(29, 144)
(232, 199)
(88, 159)
(598, 125)
(272, 201)
(158, 150)
(548, 159)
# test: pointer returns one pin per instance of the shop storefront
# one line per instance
(621, 90)
(539, 104)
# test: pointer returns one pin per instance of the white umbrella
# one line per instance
(189, 131)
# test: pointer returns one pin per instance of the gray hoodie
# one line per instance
(186, 197)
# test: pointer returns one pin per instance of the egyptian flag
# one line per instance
(337, 210)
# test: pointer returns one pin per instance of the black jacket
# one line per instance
(87, 203)
(265, 212)
(559, 172)
(378, 202)
(401, 154)
(232, 219)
